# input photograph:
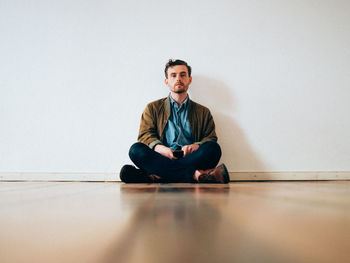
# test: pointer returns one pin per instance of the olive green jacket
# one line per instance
(156, 115)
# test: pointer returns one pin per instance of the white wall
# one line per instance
(75, 76)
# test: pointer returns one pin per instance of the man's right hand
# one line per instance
(165, 151)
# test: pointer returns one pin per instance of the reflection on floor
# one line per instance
(115, 222)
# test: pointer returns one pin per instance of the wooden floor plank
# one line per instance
(115, 222)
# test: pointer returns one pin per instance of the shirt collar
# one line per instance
(174, 104)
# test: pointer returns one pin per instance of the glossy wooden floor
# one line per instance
(115, 222)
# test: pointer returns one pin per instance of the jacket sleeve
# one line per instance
(148, 128)
(207, 129)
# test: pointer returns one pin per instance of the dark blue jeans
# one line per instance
(175, 171)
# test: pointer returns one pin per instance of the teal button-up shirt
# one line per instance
(178, 130)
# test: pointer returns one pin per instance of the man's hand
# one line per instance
(165, 151)
(190, 148)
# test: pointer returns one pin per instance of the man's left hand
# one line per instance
(190, 148)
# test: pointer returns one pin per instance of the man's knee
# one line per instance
(212, 148)
(137, 151)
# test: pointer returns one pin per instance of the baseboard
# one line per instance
(290, 176)
(59, 176)
(235, 176)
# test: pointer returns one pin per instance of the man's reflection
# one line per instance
(171, 220)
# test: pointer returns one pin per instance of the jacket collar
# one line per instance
(167, 104)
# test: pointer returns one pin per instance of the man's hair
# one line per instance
(172, 63)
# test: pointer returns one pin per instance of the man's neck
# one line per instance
(179, 98)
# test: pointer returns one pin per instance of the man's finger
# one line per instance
(171, 155)
(184, 149)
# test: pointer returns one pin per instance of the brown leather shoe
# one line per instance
(218, 175)
(131, 174)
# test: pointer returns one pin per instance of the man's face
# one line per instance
(178, 80)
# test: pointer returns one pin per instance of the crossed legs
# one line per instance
(176, 171)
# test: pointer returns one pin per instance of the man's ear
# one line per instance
(166, 81)
(190, 80)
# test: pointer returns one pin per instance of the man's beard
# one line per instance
(181, 88)
(179, 91)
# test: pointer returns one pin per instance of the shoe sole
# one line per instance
(129, 174)
(226, 174)
(121, 174)
(124, 171)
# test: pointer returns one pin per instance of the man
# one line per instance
(177, 139)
